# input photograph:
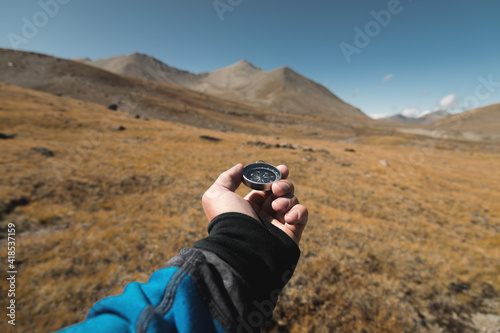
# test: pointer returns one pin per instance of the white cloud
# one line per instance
(356, 91)
(387, 77)
(448, 102)
(411, 112)
(426, 112)
(379, 115)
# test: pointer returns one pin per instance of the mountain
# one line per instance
(143, 98)
(476, 125)
(281, 89)
(484, 121)
(142, 66)
(294, 103)
(423, 120)
(151, 99)
(432, 117)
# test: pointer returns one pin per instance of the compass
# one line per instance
(260, 175)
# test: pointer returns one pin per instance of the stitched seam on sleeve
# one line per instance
(147, 314)
(144, 319)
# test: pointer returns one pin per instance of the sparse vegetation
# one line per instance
(411, 246)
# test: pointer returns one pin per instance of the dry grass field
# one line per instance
(411, 244)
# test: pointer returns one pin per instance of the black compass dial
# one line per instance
(260, 176)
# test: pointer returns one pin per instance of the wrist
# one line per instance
(260, 252)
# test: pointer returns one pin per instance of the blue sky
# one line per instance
(383, 56)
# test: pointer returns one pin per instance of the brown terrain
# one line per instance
(479, 125)
(404, 229)
(485, 120)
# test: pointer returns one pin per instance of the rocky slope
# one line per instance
(281, 89)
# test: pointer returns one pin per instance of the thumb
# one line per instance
(220, 197)
(230, 179)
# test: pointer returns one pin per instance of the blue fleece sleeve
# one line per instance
(169, 302)
(228, 281)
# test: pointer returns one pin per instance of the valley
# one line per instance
(404, 227)
(389, 246)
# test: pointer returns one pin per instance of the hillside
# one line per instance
(427, 119)
(150, 99)
(476, 125)
(281, 89)
(398, 246)
(142, 66)
(138, 97)
(480, 120)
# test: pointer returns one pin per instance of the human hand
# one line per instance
(279, 205)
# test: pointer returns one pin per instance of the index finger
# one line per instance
(284, 171)
(278, 189)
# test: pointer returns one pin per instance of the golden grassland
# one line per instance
(413, 246)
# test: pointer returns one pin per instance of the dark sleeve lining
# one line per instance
(260, 252)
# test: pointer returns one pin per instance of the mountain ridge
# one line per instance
(277, 89)
(482, 119)
(426, 119)
(141, 65)
(150, 99)
(281, 89)
(142, 98)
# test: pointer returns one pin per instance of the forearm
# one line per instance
(262, 256)
(225, 282)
